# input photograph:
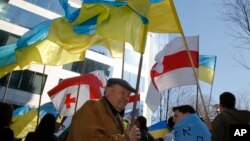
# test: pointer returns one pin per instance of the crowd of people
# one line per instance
(102, 120)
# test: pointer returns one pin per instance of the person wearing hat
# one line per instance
(100, 120)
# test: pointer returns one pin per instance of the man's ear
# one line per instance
(108, 90)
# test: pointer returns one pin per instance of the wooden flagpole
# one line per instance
(123, 60)
(167, 103)
(137, 89)
(197, 99)
(143, 44)
(160, 106)
(7, 86)
(197, 91)
(191, 60)
(40, 98)
(82, 69)
(210, 95)
(195, 74)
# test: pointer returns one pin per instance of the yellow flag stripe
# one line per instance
(206, 74)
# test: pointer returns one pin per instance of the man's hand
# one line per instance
(134, 133)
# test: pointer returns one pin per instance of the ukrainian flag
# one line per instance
(158, 130)
(206, 68)
(97, 22)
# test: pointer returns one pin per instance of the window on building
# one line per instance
(3, 37)
(25, 80)
(7, 38)
(53, 5)
(90, 66)
(134, 61)
(22, 17)
(132, 78)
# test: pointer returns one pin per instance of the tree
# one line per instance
(236, 13)
(242, 101)
(182, 96)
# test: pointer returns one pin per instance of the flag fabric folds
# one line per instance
(65, 39)
(153, 97)
(163, 18)
(64, 95)
(159, 129)
(46, 44)
(207, 68)
(173, 67)
(25, 118)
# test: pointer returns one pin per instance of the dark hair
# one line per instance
(143, 123)
(161, 139)
(170, 122)
(5, 114)
(227, 100)
(184, 109)
(47, 124)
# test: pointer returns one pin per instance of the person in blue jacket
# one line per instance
(188, 125)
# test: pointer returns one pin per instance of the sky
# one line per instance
(202, 18)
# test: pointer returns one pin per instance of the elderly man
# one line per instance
(99, 120)
(188, 125)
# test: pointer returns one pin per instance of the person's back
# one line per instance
(228, 115)
(6, 134)
(44, 131)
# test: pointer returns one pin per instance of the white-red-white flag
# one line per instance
(173, 68)
(64, 95)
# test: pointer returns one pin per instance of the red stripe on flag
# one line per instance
(176, 61)
(132, 98)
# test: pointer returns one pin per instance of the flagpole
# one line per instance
(191, 60)
(197, 89)
(123, 60)
(7, 86)
(210, 95)
(197, 98)
(137, 89)
(82, 69)
(40, 98)
(160, 106)
(195, 74)
(167, 104)
(143, 44)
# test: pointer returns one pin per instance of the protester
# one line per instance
(6, 134)
(45, 130)
(99, 120)
(228, 115)
(141, 123)
(188, 125)
(170, 125)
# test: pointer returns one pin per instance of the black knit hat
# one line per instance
(121, 82)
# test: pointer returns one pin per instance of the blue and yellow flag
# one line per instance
(207, 68)
(158, 130)
(97, 22)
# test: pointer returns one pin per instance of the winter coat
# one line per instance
(220, 125)
(94, 121)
